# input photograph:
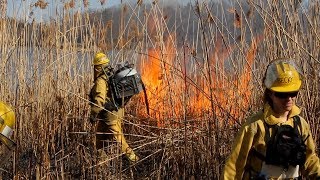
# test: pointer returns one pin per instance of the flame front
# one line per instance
(180, 89)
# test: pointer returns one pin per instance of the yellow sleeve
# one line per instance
(99, 93)
(312, 164)
(235, 164)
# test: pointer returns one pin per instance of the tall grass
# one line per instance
(209, 59)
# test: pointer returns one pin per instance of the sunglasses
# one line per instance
(285, 95)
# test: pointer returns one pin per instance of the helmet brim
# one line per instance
(290, 88)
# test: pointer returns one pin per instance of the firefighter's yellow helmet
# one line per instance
(100, 58)
(7, 122)
(282, 75)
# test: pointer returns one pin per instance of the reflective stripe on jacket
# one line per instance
(241, 163)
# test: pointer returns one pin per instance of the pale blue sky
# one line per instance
(22, 8)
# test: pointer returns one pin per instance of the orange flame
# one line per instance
(177, 91)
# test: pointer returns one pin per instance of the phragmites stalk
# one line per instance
(201, 64)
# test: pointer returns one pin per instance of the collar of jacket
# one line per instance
(269, 117)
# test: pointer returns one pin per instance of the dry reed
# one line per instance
(209, 60)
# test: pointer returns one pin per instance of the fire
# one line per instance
(155, 71)
(179, 90)
(152, 70)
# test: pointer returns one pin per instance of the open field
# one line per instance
(202, 65)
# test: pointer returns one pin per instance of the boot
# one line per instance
(132, 157)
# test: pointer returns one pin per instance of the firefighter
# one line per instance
(263, 147)
(7, 122)
(103, 111)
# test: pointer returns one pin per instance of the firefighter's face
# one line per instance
(283, 101)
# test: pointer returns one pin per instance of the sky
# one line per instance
(21, 8)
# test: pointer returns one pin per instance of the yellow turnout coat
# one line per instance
(252, 135)
(112, 119)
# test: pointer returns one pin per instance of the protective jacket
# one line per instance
(241, 163)
(99, 93)
(100, 96)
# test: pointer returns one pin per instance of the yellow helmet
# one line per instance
(282, 76)
(7, 122)
(100, 58)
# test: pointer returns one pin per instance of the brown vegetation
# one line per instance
(209, 65)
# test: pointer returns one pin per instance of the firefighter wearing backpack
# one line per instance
(107, 121)
(276, 142)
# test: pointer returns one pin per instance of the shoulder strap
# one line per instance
(296, 123)
(98, 77)
(269, 137)
(267, 132)
(108, 71)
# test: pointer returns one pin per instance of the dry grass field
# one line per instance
(202, 65)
